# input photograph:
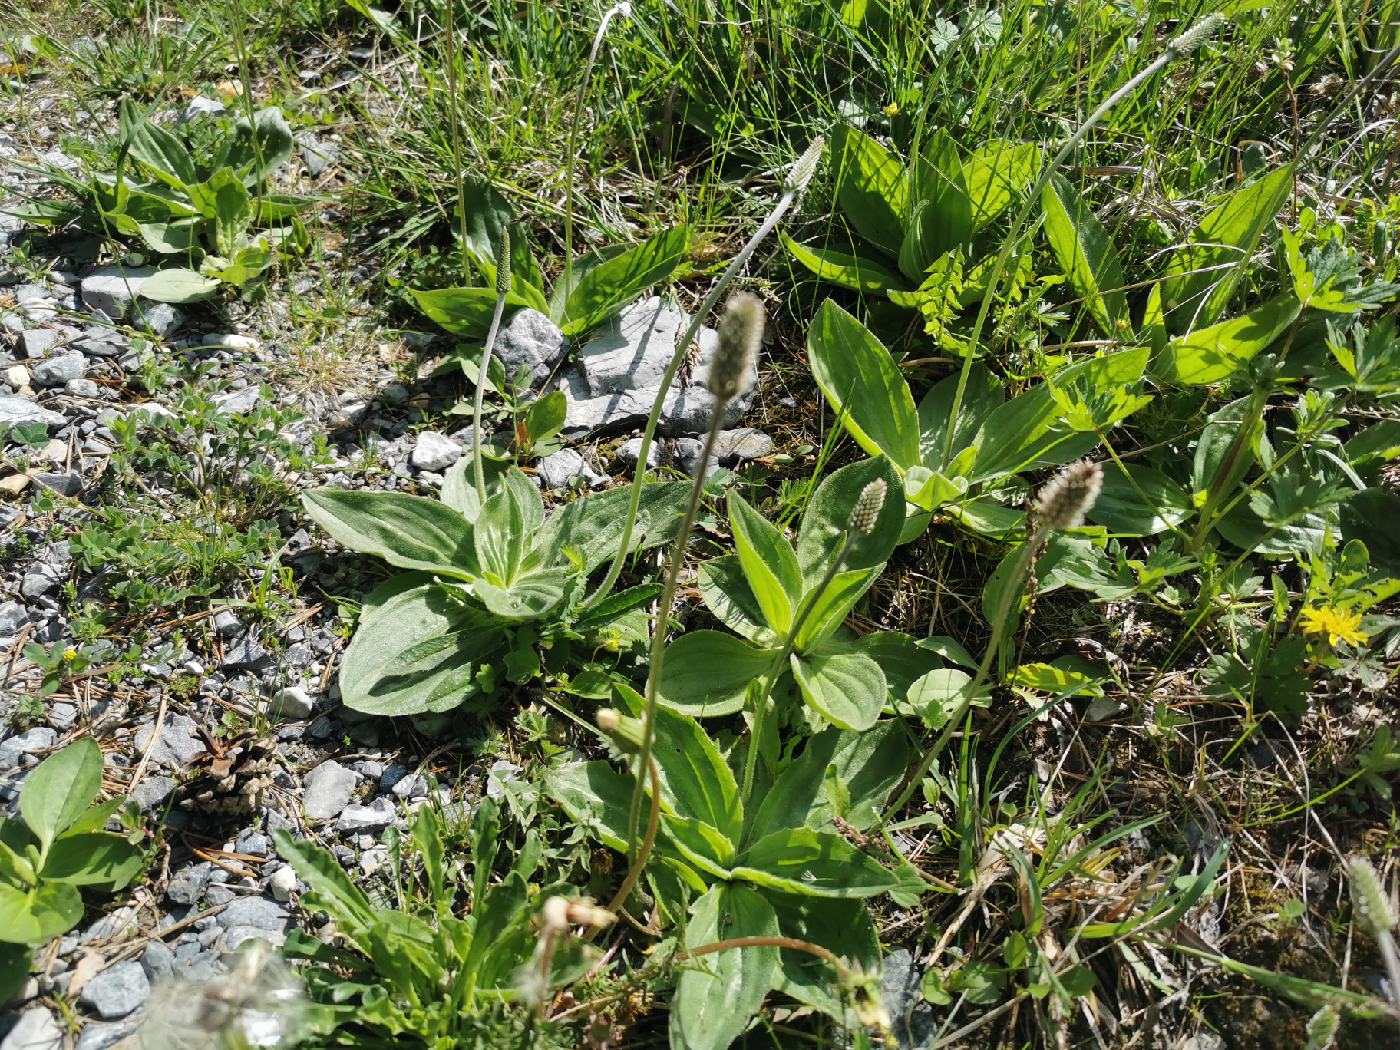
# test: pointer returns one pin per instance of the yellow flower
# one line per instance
(1340, 625)
(69, 655)
(892, 109)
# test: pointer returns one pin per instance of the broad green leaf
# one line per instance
(608, 287)
(60, 789)
(171, 238)
(940, 217)
(1201, 275)
(532, 594)
(844, 686)
(233, 209)
(828, 515)
(904, 660)
(717, 995)
(863, 386)
(943, 694)
(488, 217)
(39, 914)
(1142, 502)
(592, 524)
(464, 311)
(1209, 355)
(1087, 256)
(258, 149)
(812, 863)
(997, 174)
(506, 528)
(15, 963)
(849, 271)
(842, 926)
(416, 649)
(1213, 446)
(871, 764)
(459, 489)
(1055, 679)
(706, 673)
(162, 154)
(694, 775)
(699, 844)
(871, 187)
(769, 564)
(982, 395)
(726, 593)
(93, 859)
(408, 531)
(545, 416)
(179, 285)
(596, 796)
(830, 608)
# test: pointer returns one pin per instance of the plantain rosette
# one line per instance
(487, 584)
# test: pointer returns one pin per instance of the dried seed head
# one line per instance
(1196, 35)
(555, 913)
(1067, 497)
(583, 912)
(503, 263)
(740, 332)
(868, 507)
(1368, 897)
(805, 167)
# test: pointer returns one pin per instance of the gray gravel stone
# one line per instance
(57, 370)
(633, 350)
(65, 484)
(733, 446)
(631, 450)
(116, 991)
(237, 402)
(327, 791)
(377, 816)
(36, 342)
(282, 883)
(557, 470)
(151, 792)
(293, 703)
(35, 1030)
(531, 340)
(158, 961)
(435, 452)
(98, 1036)
(160, 319)
(13, 616)
(188, 884)
(17, 411)
(112, 289)
(914, 1020)
(178, 742)
(259, 913)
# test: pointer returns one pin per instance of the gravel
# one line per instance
(113, 289)
(35, 1030)
(18, 411)
(434, 452)
(327, 791)
(117, 991)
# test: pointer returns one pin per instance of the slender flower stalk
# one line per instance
(798, 177)
(731, 372)
(502, 290)
(622, 10)
(1181, 45)
(1061, 504)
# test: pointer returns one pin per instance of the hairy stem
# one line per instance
(639, 864)
(481, 374)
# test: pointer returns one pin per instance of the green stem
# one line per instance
(648, 841)
(659, 403)
(1031, 202)
(1014, 588)
(1253, 413)
(770, 677)
(659, 627)
(481, 374)
(570, 151)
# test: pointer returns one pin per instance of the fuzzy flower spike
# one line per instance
(735, 361)
(1069, 495)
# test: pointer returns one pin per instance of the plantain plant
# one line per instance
(489, 584)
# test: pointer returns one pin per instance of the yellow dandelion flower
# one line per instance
(69, 655)
(892, 109)
(1339, 625)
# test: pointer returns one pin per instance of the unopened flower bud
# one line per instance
(1196, 35)
(868, 507)
(625, 732)
(1368, 897)
(503, 263)
(1067, 497)
(740, 333)
(805, 167)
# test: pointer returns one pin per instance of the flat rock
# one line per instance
(117, 991)
(18, 411)
(293, 703)
(177, 744)
(187, 885)
(13, 616)
(99, 1036)
(282, 883)
(557, 470)
(59, 369)
(258, 913)
(327, 791)
(913, 1017)
(237, 402)
(633, 350)
(162, 320)
(735, 446)
(113, 289)
(608, 412)
(36, 1029)
(36, 342)
(531, 340)
(434, 452)
(631, 450)
(151, 792)
(375, 817)
(65, 484)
